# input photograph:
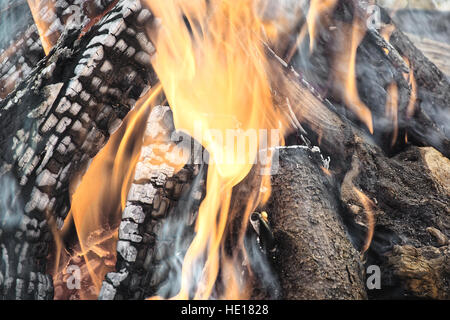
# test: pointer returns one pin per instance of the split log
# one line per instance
(315, 258)
(157, 223)
(55, 122)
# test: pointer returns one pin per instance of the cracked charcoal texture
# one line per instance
(21, 48)
(160, 202)
(56, 121)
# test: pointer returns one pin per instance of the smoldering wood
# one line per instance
(315, 258)
(432, 38)
(55, 122)
(405, 217)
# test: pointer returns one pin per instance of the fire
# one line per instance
(391, 109)
(413, 97)
(212, 66)
(345, 71)
(43, 14)
(317, 9)
(98, 202)
(368, 207)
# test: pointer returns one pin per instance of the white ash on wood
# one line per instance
(56, 121)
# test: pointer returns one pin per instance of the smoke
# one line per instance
(178, 229)
(11, 206)
(261, 267)
(15, 16)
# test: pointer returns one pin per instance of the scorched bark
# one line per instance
(55, 122)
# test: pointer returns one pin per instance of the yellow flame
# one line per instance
(214, 76)
(345, 71)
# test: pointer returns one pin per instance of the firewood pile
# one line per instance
(108, 191)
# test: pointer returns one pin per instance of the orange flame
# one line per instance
(391, 110)
(345, 71)
(42, 13)
(214, 76)
(368, 207)
(413, 97)
(317, 9)
(98, 202)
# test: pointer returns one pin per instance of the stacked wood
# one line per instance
(377, 194)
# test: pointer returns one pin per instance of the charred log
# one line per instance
(157, 222)
(312, 243)
(21, 48)
(52, 127)
(380, 64)
(404, 216)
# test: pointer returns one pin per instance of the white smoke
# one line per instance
(11, 206)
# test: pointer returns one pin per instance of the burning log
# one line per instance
(54, 123)
(401, 216)
(59, 118)
(158, 217)
(312, 243)
(380, 67)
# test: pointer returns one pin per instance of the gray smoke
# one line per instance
(11, 206)
(15, 16)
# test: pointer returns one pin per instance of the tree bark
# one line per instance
(315, 258)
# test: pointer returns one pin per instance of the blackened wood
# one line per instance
(429, 125)
(380, 64)
(157, 222)
(409, 193)
(57, 120)
(20, 43)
